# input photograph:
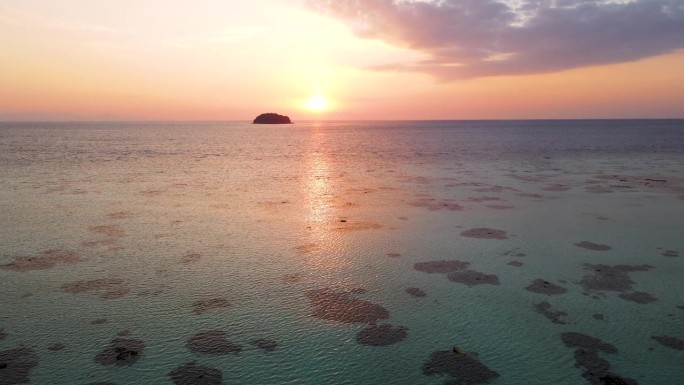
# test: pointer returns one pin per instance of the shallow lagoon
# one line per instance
(161, 252)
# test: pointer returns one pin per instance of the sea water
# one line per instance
(267, 254)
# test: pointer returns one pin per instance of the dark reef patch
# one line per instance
(307, 248)
(595, 369)
(544, 287)
(645, 183)
(599, 189)
(56, 347)
(472, 278)
(463, 368)
(610, 278)
(494, 189)
(670, 253)
(483, 199)
(265, 344)
(190, 258)
(120, 215)
(530, 195)
(500, 207)
(484, 233)
(583, 341)
(16, 365)
(193, 374)
(592, 246)
(154, 292)
(416, 292)
(111, 233)
(109, 288)
(528, 178)
(670, 342)
(513, 253)
(358, 226)
(121, 351)
(440, 267)
(205, 305)
(557, 188)
(433, 204)
(544, 308)
(292, 278)
(638, 297)
(381, 335)
(44, 260)
(212, 342)
(340, 306)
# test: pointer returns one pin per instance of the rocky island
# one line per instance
(271, 118)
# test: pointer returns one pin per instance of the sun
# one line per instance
(317, 103)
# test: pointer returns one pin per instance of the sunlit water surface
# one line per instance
(297, 241)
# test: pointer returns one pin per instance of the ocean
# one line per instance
(412, 252)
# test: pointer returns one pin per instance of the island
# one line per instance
(272, 118)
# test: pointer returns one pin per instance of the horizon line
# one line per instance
(322, 120)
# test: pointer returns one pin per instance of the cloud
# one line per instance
(477, 38)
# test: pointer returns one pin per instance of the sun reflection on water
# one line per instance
(319, 194)
(321, 214)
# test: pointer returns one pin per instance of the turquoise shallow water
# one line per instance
(155, 232)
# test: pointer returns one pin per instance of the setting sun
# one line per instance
(317, 103)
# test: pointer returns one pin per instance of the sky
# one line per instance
(335, 59)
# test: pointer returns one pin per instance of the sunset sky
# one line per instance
(334, 59)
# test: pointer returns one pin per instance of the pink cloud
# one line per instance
(477, 38)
